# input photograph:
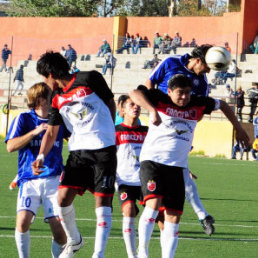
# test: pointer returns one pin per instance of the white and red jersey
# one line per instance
(171, 141)
(129, 142)
(82, 107)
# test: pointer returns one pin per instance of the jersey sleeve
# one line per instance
(211, 105)
(17, 128)
(98, 84)
(55, 117)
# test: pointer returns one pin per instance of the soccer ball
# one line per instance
(218, 58)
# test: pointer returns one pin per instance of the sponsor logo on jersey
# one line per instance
(132, 137)
(196, 82)
(179, 132)
(123, 196)
(151, 185)
(187, 114)
(80, 115)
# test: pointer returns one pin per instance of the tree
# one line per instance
(52, 8)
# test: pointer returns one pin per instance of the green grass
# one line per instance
(228, 189)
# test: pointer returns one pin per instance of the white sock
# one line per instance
(170, 238)
(145, 229)
(192, 196)
(104, 224)
(129, 235)
(67, 218)
(161, 238)
(56, 249)
(23, 243)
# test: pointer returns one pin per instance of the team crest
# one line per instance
(151, 185)
(123, 196)
(196, 82)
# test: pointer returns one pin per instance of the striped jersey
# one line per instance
(171, 141)
(82, 107)
(21, 125)
(178, 65)
(129, 142)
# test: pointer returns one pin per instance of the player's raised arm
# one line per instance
(140, 99)
(47, 143)
(241, 135)
(112, 107)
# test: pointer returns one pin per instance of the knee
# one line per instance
(129, 210)
(22, 225)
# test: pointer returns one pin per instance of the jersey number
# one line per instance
(26, 202)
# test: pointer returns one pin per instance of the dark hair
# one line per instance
(179, 81)
(54, 64)
(200, 52)
(122, 99)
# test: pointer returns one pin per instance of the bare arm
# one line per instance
(149, 84)
(140, 99)
(241, 135)
(47, 143)
(21, 141)
(112, 107)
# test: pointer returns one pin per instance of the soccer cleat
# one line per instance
(13, 185)
(207, 225)
(70, 249)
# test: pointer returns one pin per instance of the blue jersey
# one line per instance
(177, 65)
(53, 165)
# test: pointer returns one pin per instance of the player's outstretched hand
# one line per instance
(242, 138)
(155, 118)
(37, 167)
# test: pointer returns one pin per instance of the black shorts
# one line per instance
(129, 193)
(166, 182)
(94, 170)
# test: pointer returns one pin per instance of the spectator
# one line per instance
(253, 98)
(63, 51)
(110, 63)
(71, 55)
(165, 44)
(254, 46)
(193, 43)
(176, 42)
(232, 71)
(237, 148)
(227, 47)
(126, 45)
(229, 95)
(105, 48)
(240, 102)
(152, 63)
(255, 122)
(5, 54)
(19, 81)
(156, 41)
(136, 43)
(254, 149)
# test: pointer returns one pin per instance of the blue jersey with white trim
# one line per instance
(53, 165)
(177, 65)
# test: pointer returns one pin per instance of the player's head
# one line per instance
(198, 57)
(53, 66)
(131, 111)
(179, 89)
(36, 93)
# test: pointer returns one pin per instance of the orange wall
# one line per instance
(250, 21)
(35, 35)
(214, 30)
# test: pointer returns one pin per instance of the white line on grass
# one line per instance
(156, 238)
(182, 223)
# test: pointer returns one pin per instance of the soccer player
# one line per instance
(129, 138)
(85, 104)
(194, 66)
(25, 136)
(165, 153)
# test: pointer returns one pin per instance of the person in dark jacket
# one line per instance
(240, 102)
(5, 54)
(71, 55)
(19, 79)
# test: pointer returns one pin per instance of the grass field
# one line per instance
(228, 189)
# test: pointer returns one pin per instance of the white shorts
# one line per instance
(35, 192)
